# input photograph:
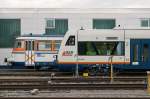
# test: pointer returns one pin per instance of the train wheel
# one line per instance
(94, 71)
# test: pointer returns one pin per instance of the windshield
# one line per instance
(18, 44)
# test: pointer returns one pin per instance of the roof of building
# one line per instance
(74, 10)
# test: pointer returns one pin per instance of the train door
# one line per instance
(140, 52)
(29, 53)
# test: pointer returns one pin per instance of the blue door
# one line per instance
(140, 53)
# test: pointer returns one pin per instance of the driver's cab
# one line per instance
(19, 46)
(23, 52)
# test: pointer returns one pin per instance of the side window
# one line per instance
(135, 53)
(57, 44)
(145, 52)
(44, 45)
(101, 48)
(71, 41)
(50, 23)
(145, 22)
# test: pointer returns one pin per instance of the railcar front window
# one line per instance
(18, 44)
(71, 41)
(101, 48)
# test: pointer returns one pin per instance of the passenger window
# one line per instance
(57, 44)
(145, 53)
(44, 45)
(71, 41)
(135, 53)
(90, 49)
(101, 48)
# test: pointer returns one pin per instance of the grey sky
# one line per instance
(74, 3)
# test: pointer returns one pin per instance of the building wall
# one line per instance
(33, 20)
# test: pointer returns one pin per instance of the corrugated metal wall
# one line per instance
(61, 27)
(104, 23)
(9, 30)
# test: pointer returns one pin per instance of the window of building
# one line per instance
(101, 48)
(50, 23)
(145, 22)
(9, 30)
(56, 26)
(104, 23)
(71, 41)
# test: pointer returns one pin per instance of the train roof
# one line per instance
(113, 34)
(40, 37)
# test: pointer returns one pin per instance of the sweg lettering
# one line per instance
(67, 53)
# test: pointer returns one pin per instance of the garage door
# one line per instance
(9, 30)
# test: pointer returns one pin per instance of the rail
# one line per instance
(74, 97)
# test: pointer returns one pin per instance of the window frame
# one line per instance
(103, 19)
(17, 43)
(57, 42)
(68, 43)
(45, 44)
(122, 42)
(53, 44)
(52, 19)
(145, 19)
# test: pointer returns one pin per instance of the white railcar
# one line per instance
(124, 48)
(35, 51)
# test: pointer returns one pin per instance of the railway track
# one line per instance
(44, 80)
(74, 86)
(28, 80)
(33, 79)
(97, 79)
(71, 83)
(74, 97)
(32, 72)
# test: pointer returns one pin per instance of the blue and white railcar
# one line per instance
(35, 51)
(125, 49)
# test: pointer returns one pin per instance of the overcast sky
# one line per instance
(74, 3)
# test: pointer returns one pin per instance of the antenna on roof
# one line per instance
(81, 28)
(30, 34)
